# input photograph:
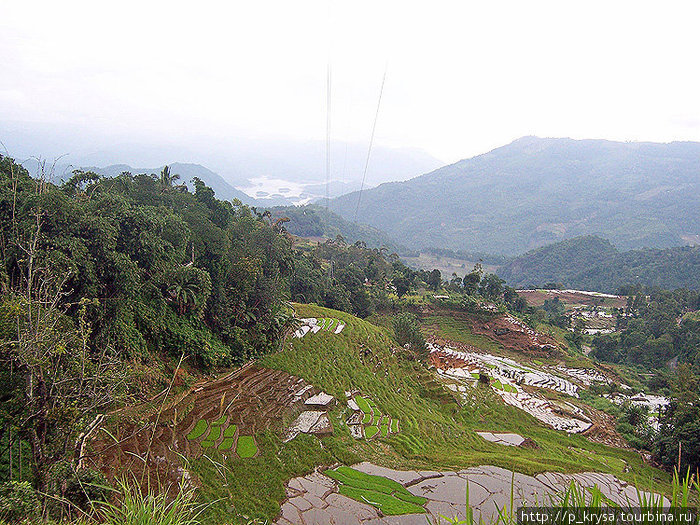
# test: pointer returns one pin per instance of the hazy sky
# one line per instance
(463, 77)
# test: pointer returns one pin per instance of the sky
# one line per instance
(462, 77)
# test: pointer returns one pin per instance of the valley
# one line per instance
(349, 263)
(221, 364)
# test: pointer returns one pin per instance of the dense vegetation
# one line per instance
(354, 278)
(224, 190)
(592, 263)
(660, 333)
(538, 191)
(106, 282)
(317, 221)
(654, 330)
(102, 282)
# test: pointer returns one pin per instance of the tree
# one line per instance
(56, 376)
(402, 283)
(407, 332)
(455, 282)
(167, 179)
(472, 279)
(679, 433)
(188, 288)
(491, 287)
(434, 279)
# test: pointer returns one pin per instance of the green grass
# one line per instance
(394, 426)
(199, 429)
(388, 504)
(220, 421)
(363, 404)
(227, 443)
(214, 434)
(384, 428)
(377, 490)
(504, 386)
(436, 432)
(459, 330)
(371, 431)
(246, 447)
(139, 507)
(230, 431)
(254, 486)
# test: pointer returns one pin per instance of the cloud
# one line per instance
(462, 76)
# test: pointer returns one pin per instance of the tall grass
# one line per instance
(138, 508)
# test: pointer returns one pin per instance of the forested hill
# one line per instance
(592, 263)
(317, 221)
(537, 191)
(185, 171)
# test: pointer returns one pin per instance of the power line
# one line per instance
(371, 141)
(328, 133)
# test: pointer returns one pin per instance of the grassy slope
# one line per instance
(436, 432)
(456, 330)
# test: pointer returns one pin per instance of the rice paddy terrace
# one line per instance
(282, 438)
(369, 494)
(367, 420)
(222, 415)
(510, 379)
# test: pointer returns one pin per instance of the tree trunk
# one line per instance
(36, 394)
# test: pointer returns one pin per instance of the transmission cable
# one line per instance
(371, 142)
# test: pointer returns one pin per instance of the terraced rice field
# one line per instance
(246, 447)
(373, 421)
(314, 325)
(385, 494)
(506, 374)
(506, 387)
(214, 416)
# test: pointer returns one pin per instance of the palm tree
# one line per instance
(284, 321)
(167, 178)
(184, 294)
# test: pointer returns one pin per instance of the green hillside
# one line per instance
(537, 191)
(313, 220)
(437, 433)
(592, 263)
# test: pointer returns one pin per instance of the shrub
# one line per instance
(407, 331)
(18, 501)
(86, 487)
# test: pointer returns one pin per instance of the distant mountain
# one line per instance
(277, 171)
(316, 221)
(537, 191)
(223, 190)
(592, 263)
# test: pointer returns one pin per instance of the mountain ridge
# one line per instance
(536, 191)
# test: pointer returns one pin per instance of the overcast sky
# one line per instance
(462, 77)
